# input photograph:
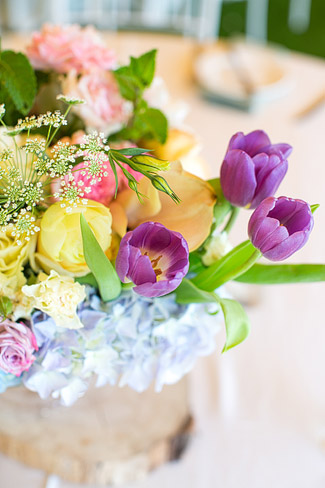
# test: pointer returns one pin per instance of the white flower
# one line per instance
(217, 246)
(58, 296)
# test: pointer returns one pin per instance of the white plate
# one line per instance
(242, 74)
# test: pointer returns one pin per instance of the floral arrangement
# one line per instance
(112, 258)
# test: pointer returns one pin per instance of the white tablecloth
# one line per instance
(260, 408)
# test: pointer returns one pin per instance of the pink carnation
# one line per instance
(104, 189)
(105, 110)
(65, 48)
(17, 344)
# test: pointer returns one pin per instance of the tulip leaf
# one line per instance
(89, 279)
(5, 307)
(222, 206)
(109, 283)
(233, 264)
(276, 274)
(314, 207)
(132, 151)
(187, 293)
(236, 321)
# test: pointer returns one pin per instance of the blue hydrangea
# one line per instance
(130, 341)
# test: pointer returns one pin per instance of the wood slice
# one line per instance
(110, 436)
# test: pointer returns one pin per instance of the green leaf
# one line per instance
(276, 274)
(236, 321)
(153, 122)
(196, 264)
(19, 79)
(313, 208)
(228, 267)
(222, 206)
(108, 282)
(89, 279)
(132, 151)
(143, 67)
(129, 86)
(187, 292)
(5, 306)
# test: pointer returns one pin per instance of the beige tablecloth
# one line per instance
(260, 408)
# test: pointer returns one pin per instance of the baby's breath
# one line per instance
(94, 143)
(6, 155)
(28, 123)
(35, 146)
(53, 118)
(70, 100)
(32, 193)
(24, 226)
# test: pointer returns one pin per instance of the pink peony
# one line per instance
(65, 48)
(105, 110)
(17, 344)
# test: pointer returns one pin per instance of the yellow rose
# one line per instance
(58, 296)
(13, 256)
(60, 242)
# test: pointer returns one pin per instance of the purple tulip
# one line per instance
(253, 168)
(154, 258)
(280, 226)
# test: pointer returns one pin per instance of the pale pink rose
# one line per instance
(105, 110)
(103, 190)
(17, 344)
(71, 47)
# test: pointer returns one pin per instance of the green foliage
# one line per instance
(276, 274)
(222, 206)
(236, 320)
(132, 80)
(228, 267)
(314, 207)
(17, 85)
(5, 307)
(104, 273)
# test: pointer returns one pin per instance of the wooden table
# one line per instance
(260, 408)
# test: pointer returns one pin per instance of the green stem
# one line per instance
(232, 219)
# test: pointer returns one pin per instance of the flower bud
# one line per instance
(253, 168)
(280, 226)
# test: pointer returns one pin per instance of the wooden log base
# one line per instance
(110, 436)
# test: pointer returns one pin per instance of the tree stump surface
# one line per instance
(110, 436)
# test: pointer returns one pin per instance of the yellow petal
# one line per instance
(120, 220)
(135, 210)
(192, 217)
(177, 145)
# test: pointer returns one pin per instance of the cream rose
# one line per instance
(58, 296)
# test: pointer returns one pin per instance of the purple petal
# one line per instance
(140, 268)
(268, 234)
(122, 259)
(237, 178)
(162, 287)
(255, 141)
(268, 177)
(259, 215)
(288, 247)
(281, 148)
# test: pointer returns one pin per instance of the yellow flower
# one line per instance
(60, 242)
(192, 217)
(58, 296)
(13, 256)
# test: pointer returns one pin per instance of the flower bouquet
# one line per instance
(113, 260)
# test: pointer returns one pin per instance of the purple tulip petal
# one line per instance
(280, 226)
(288, 247)
(157, 259)
(268, 177)
(237, 178)
(284, 149)
(250, 143)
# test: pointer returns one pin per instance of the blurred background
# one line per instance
(296, 24)
(260, 408)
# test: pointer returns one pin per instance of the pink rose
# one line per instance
(105, 110)
(104, 189)
(65, 48)
(17, 344)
